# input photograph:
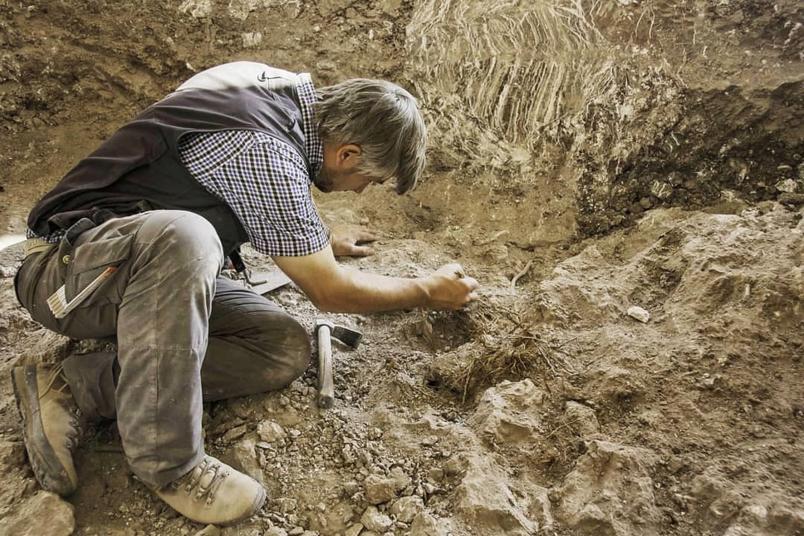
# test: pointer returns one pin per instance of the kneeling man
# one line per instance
(130, 244)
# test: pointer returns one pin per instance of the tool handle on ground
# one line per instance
(326, 391)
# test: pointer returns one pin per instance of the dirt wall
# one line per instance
(616, 107)
(647, 103)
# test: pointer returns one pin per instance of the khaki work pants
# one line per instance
(184, 334)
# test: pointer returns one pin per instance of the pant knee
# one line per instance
(294, 351)
(195, 237)
(186, 237)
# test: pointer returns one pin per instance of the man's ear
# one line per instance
(349, 154)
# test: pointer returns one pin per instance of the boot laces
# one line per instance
(55, 373)
(74, 431)
(204, 480)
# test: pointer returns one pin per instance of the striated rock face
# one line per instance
(610, 492)
(44, 513)
(509, 413)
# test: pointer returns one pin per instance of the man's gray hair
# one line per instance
(384, 120)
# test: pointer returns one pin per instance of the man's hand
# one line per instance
(449, 288)
(347, 239)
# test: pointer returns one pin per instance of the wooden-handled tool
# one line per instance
(326, 331)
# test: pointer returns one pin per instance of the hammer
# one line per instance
(325, 332)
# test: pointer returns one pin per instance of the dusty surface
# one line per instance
(587, 158)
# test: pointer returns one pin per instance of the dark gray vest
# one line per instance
(139, 167)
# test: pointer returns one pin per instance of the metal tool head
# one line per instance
(348, 336)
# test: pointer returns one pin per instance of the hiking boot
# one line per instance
(50, 425)
(214, 493)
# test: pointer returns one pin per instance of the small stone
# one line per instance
(426, 525)
(251, 39)
(496, 252)
(430, 489)
(354, 530)
(234, 433)
(787, 186)
(12, 453)
(638, 313)
(429, 441)
(209, 530)
(270, 431)
(275, 531)
(406, 508)
(244, 457)
(401, 479)
(675, 178)
(661, 190)
(287, 504)
(196, 8)
(375, 520)
(645, 203)
(379, 489)
(391, 7)
(436, 473)
(508, 414)
(454, 466)
(582, 418)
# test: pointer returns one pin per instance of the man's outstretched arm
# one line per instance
(336, 288)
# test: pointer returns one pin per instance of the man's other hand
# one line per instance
(349, 240)
(449, 288)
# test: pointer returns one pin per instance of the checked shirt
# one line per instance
(264, 181)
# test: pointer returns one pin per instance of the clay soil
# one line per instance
(675, 185)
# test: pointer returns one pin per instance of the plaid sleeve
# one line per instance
(265, 183)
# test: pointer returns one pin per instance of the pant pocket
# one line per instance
(88, 261)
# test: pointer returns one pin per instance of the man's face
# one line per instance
(339, 171)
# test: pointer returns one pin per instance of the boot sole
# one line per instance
(258, 502)
(47, 468)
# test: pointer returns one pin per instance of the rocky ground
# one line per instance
(634, 364)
